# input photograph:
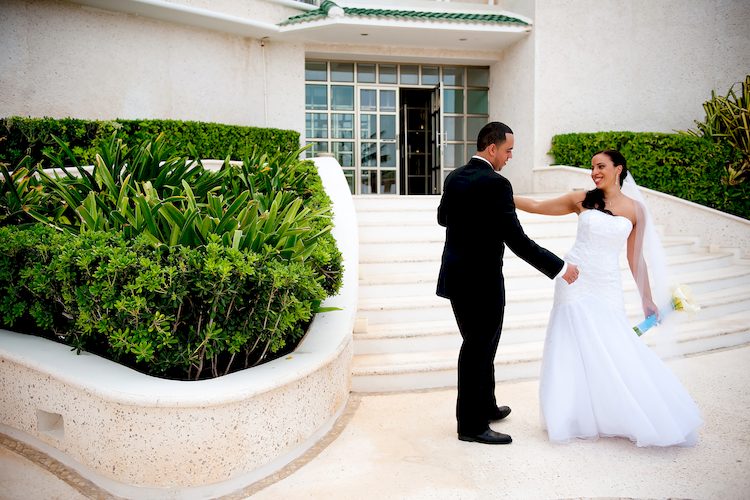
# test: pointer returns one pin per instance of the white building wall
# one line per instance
(269, 11)
(512, 102)
(63, 59)
(640, 65)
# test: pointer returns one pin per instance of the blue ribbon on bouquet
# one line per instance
(646, 324)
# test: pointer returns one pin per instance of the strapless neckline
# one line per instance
(608, 215)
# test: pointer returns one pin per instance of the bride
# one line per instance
(598, 377)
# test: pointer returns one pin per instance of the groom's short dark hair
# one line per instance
(492, 133)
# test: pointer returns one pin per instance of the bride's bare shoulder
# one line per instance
(576, 200)
(630, 210)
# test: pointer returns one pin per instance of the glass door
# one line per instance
(378, 148)
(417, 142)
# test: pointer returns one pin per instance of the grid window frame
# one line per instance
(461, 142)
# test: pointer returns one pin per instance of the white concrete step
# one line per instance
(383, 262)
(407, 338)
(435, 233)
(419, 370)
(429, 274)
(518, 277)
(397, 308)
(519, 326)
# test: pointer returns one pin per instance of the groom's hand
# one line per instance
(571, 274)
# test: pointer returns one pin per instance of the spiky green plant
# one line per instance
(728, 119)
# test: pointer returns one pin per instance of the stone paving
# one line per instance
(404, 446)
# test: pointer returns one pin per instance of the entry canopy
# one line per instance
(409, 23)
(433, 26)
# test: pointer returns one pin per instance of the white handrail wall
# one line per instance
(716, 229)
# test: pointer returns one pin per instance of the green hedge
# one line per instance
(687, 167)
(21, 136)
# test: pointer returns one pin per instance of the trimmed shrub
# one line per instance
(687, 167)
(23, 136)
(174, 312)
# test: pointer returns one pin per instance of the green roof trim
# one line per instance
(410, 15)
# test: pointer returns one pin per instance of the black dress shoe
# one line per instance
(500, 413)
(487, 437)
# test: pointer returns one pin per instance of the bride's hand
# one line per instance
(650, 308)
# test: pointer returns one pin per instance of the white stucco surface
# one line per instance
(511, 98)
(63, 59)
(640, 66)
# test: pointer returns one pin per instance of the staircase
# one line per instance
(406, 338)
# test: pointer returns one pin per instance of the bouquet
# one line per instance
(682, 300)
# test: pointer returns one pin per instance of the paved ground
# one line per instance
(21, 478)
(404, 446)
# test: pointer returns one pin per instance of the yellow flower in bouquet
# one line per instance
(682, 299)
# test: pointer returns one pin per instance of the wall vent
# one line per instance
(51, 424)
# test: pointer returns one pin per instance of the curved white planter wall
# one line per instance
(140, 436)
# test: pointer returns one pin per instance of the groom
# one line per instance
(479, 215)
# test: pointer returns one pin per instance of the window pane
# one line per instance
(388, 127)
(453, 76)
(387, 73)
(430, 75)
(369, 179)
(454, 128)
(342, 72)
(317, 148)
(473, 126)
(388, 155)
(369, 154)
(349, 174)
(476, 102)
(368, 127)
(388, 182)
(342, 125)
(316, 125)
(365, 73)
(315, 71)
(368, 100)
(454, 101)
(410, 75)
(342, 97)
(453, 155)
(478, 77)
(316, 97)
(387, 100)
(344, 153)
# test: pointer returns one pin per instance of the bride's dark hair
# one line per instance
(595, 198)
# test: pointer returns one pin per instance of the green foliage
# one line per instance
(33, 137)
(21, 197)
(728, 120)
(687, 167)
(177, 312)
(153, 261)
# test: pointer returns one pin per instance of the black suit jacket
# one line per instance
(479, 215)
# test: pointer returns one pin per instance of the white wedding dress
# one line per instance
(598, 377)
